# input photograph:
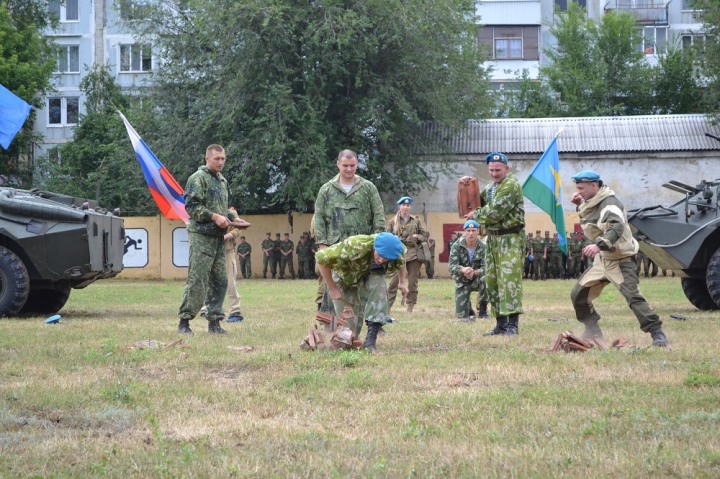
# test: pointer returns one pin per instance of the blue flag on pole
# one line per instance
(13, 113)
(544, 188)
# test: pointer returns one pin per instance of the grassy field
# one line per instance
(439, 400)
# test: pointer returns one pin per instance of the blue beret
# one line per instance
(496, 157)
(471, 223)
(388, 246)
(587, 176)
(405, 200)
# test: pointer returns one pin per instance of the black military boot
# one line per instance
(658, 338)
(214, 327)
(483, 310)
(512, 328)
(184, 327)
(501, 323)
(430, 276)
(371, 337)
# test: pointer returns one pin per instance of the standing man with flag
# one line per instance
(206, 202)
(503, 215)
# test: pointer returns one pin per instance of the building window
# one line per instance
(687, 5)
(69, 59)
(654, 39)
(134, 9)
(562, 5)
(135, 58)
(511, 42)
(65, 10)
(63, 111)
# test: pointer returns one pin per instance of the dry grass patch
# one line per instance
(440, 400)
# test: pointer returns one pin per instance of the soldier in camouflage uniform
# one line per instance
(303, 252)
(639, 258)
(538, 252)
(467, 268)
(244, 249)
(313, 249)
(276, 255)
(503, 216)
(345, 206)
(206, 202)
(603, 219)
(555, 257)
(430, 263)
(411, 231)
(650, 267)
(268, 248)
(286, 259)
(354, 271)
(528, 266)
(574, 255)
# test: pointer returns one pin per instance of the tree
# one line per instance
(27, 61)
(708, 12)
(285, 85)
(527, 98)
(597, 67)
(676, 84)
(100, 152)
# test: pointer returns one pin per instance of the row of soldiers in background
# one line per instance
(649, 266)
(278, 256)
(545, 260)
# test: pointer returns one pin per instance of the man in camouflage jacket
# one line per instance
(467, 268)
(613, 248)
(206, 202)
(503, 216)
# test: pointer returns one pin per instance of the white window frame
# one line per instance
(65, 51)
(63, 111)
(132, 10)
(63, 11)
(134, 46)
(646, 48)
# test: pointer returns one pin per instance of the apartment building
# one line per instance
(91, 32)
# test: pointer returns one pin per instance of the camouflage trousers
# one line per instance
(287, 261)
(413, 271)
(207, 277)
(232, 292)
(430, 266)
(504, 271)
(369, 300)
(574, 265)
(268, 261)
(245, 267)
(555, 266)
(623, 275)
(462, 295)
(649, 264)
(304, 268)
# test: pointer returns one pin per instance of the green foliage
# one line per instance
(285, 85)
(708, 12)
(596, 67)
(527, 98)
(100, 153)
(27, 61)
(676, 82)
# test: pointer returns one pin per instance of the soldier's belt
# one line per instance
(508, 231)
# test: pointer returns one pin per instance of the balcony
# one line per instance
(646, 11)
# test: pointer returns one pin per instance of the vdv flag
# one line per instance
(13, 113)
(544, 188)
(168, 194)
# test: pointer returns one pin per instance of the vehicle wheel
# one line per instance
(14, 283)
(46, 301)
(712, 279)
(697, 293)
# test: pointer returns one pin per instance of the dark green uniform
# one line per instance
(459, 258)
(286, 257)
(575, 247)
(639, 261)
(555, 258)
(538, 245)
(430, 263)
(244, 250)
(268, 247)
(206, 192)
(528, 266)
(304, 253)
(276, 255)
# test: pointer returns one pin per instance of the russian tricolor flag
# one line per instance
(168, 194)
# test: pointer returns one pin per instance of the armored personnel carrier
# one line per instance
(51, 243)
(685, 238)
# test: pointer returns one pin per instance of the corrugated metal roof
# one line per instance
(598, 134)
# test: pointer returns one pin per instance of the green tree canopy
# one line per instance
(27, 61)
(284, 85)
(708, 11)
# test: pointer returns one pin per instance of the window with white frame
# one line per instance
(654, 40)
(687, 5)
(68, 59)
(134, 9)
(511, 42)
(689, 41)
(562, 5)
(63, 111)
(135, 58)
(65, 10)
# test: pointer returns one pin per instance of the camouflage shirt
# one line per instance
(244, 248)
(460, 257)
(506, 209)
(339, 215)
(206, 193)
(303, 250)
(351, 260)
(287, 245)
(268, 244)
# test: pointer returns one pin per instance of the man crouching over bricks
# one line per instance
(354, 271)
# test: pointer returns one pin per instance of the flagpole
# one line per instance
(562, 128)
